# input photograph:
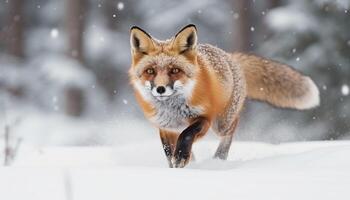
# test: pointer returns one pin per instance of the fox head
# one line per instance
(163, 69)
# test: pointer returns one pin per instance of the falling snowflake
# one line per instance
(54, 99)
(120, 5)
(252, 29)
(294, 50)
(125, 101)
(345, 90)
(297, 59)
(54, 33)
(114, 15)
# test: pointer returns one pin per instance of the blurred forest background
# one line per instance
(64, 63)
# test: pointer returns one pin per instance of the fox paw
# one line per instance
(179, 163)
(180, 160)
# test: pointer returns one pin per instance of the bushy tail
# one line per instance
(277, 83)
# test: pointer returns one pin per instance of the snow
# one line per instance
(280, 19)
(120, 5)
(133, 166)
(345, 90)
(54, 33)
(138, 170)
(340, 3)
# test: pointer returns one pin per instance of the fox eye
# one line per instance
(175, 70)
(150, 71)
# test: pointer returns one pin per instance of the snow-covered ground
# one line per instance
(303, 170)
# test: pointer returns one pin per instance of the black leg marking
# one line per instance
(185, 141)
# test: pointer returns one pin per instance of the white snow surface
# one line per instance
(138, 170)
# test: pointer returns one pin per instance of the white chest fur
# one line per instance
(173, 114)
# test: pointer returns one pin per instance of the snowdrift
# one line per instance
(304, 170)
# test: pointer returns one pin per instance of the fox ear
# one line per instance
(186, 39)
(140, 41)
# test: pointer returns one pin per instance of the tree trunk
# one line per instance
(14, 31)
(75, 22)
(273, 3)
(74, 101)
(242, 32)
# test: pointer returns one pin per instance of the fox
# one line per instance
(185, 88)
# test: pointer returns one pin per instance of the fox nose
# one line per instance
(160, 89)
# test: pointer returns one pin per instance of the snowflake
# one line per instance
(54, 33)
(54, 99)
(120, 5)
(345, 90)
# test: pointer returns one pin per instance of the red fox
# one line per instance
(184, 88)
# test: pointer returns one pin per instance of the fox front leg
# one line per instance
(184, 143)
(168, 142)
